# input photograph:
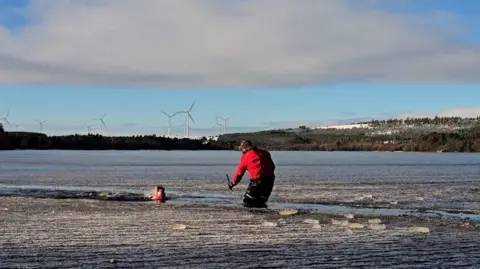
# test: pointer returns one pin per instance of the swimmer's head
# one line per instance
(158, 193)
(159, 188)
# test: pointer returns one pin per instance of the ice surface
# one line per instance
(419, 230)
(340, 222)
(288, 212)
(179, 227)
(269, 224)
(377, 227)
(311, 221)
(52, 233)
(435, 191)
(355, 226)
(374, 221)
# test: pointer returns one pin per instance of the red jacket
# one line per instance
(257, 162)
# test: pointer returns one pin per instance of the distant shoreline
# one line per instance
(411, 135)
(231, 150)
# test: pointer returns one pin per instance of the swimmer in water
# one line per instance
(159, 194)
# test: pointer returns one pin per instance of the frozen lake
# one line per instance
(73, 233)
(144, 168)
(446, 181)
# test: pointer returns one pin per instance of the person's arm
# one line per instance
(240, 171)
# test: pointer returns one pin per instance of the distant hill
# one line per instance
(422, 134)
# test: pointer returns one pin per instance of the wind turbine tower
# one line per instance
(188, 117)
(224, 123)
(5, 118)
(102, 123)
(16, 126)
(169, 132)
(184, 129)
(41, 124)
(216, 125)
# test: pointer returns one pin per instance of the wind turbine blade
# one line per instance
(8, 113)
(228, 118)
(165, 113)
(6, 120)
(103, 123)
(191, 106)
(190, 116)
(104, 114)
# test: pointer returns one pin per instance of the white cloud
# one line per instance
(204, 43)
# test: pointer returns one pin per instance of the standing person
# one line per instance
(260, 166)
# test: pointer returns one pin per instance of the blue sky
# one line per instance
(467, 12)
(69, 106)
(141, 109)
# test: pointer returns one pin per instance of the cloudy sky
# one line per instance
(264, 63)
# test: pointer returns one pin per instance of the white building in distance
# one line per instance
(346, 126)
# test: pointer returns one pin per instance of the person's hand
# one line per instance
(231, 184)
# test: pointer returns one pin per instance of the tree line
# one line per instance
(424, 121)
(456, 139)
(464, 137)
(37, 141)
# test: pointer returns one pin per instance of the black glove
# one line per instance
(230, 185)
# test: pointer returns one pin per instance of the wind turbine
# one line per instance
(217, 124)
(102, 123)
(41, 124)
(16, 126)
(188, 117)
(89, 128)
(5, 118)
(224, 123)
(184, 125)
(169, 133)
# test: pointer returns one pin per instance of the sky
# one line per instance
(264, 63)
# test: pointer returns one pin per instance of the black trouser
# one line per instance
(259, 191)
